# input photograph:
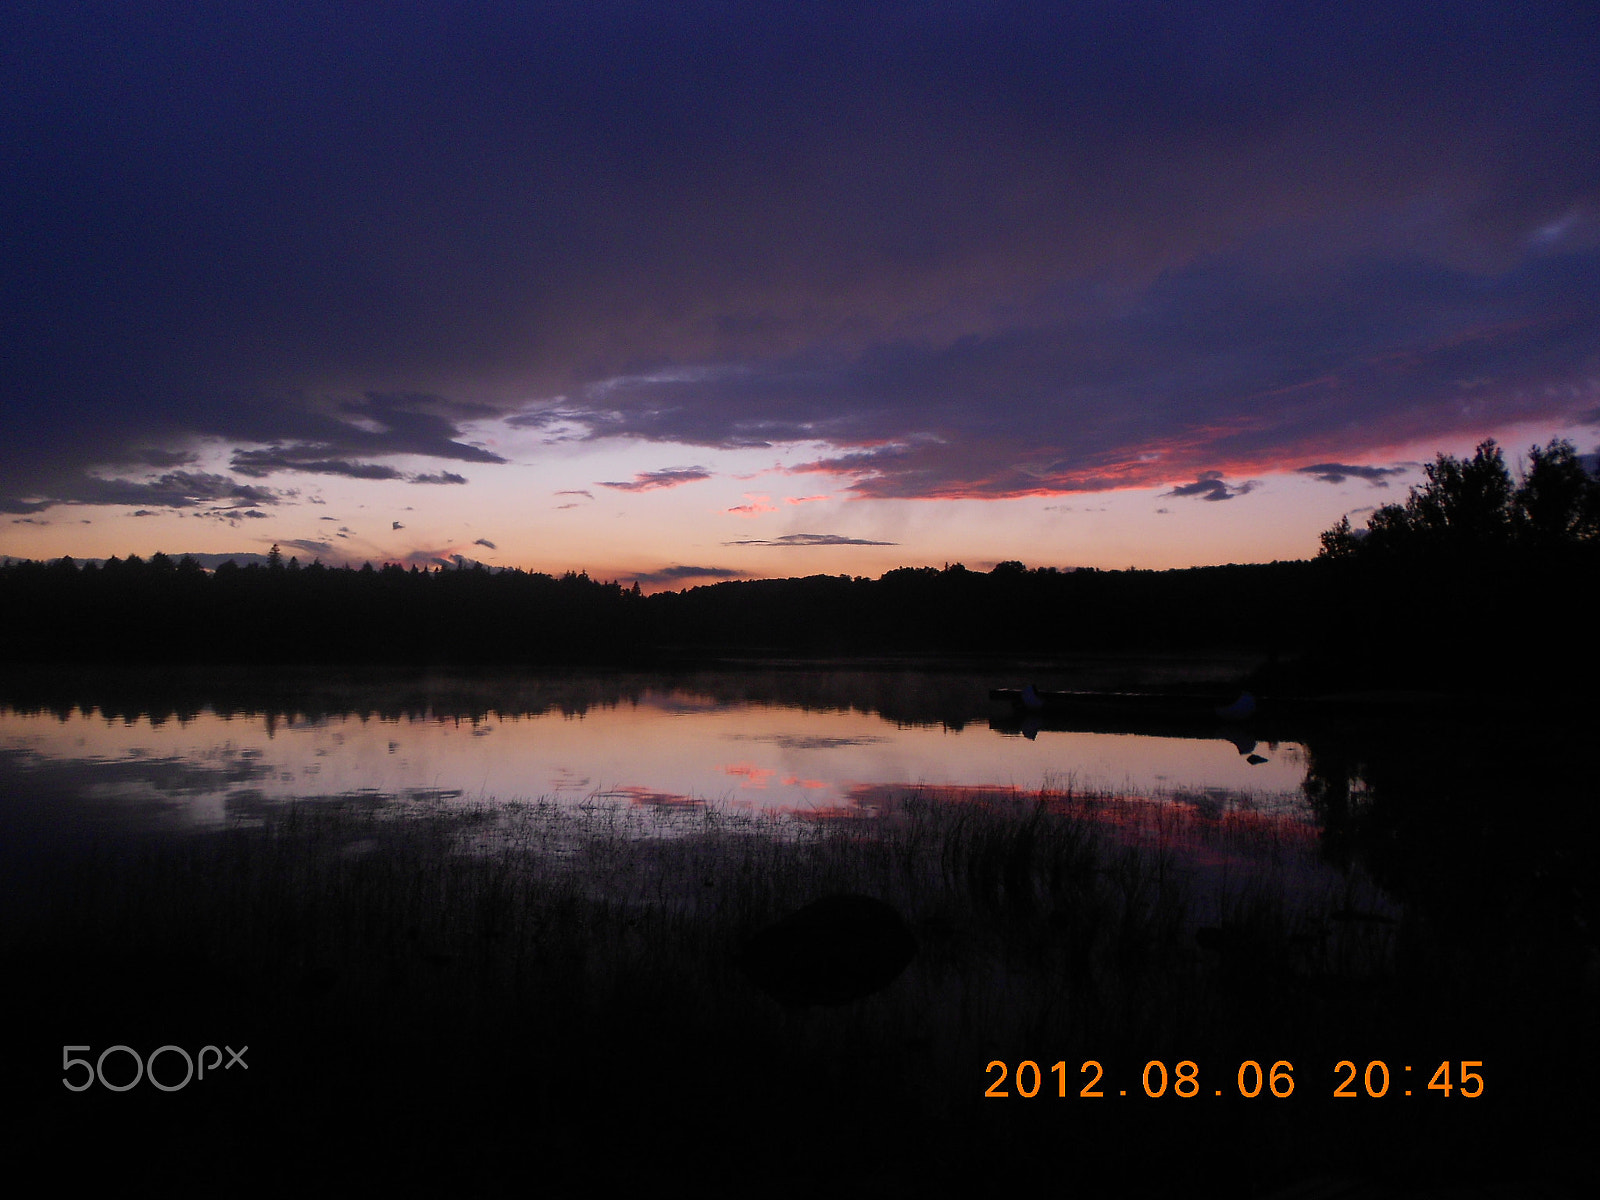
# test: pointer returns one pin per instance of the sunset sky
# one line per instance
(680, 292)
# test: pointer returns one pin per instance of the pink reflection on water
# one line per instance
(666, 749)
(753, 776)
(644, 797)
(1206, 832)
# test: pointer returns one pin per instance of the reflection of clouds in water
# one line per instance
(252, 805)
(753, 776)
(1214, 803)
(680, 702)
(1211, 802)
(567, 780)
(801, 741)
(649, 798)
(1281, 810)
(47, 797)
(668, 745)
(139, 771)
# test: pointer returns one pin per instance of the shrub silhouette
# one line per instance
(1469, 561)
(1471, 507)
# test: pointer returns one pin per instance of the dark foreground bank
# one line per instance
(526, 998)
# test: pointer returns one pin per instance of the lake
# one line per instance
(798, 743)
(408, 894)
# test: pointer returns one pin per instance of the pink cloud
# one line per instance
(649, 481)
(757, 506)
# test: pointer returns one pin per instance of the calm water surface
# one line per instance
(649, 743)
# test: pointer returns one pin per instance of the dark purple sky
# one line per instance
(933, 250)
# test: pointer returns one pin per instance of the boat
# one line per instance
(1237, 717)
(1157, 706)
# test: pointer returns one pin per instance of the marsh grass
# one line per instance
(518, 992)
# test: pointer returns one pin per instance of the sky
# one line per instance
(685, 292)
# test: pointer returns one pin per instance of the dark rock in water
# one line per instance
(833, 951)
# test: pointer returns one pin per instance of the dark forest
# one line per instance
(1473, 582)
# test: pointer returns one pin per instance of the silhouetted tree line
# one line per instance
(161, 610)
(1474, 581)
(1010, 609)
(1467, 510)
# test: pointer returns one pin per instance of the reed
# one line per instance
(474, 991)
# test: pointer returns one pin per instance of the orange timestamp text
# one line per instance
(1375, 1081)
